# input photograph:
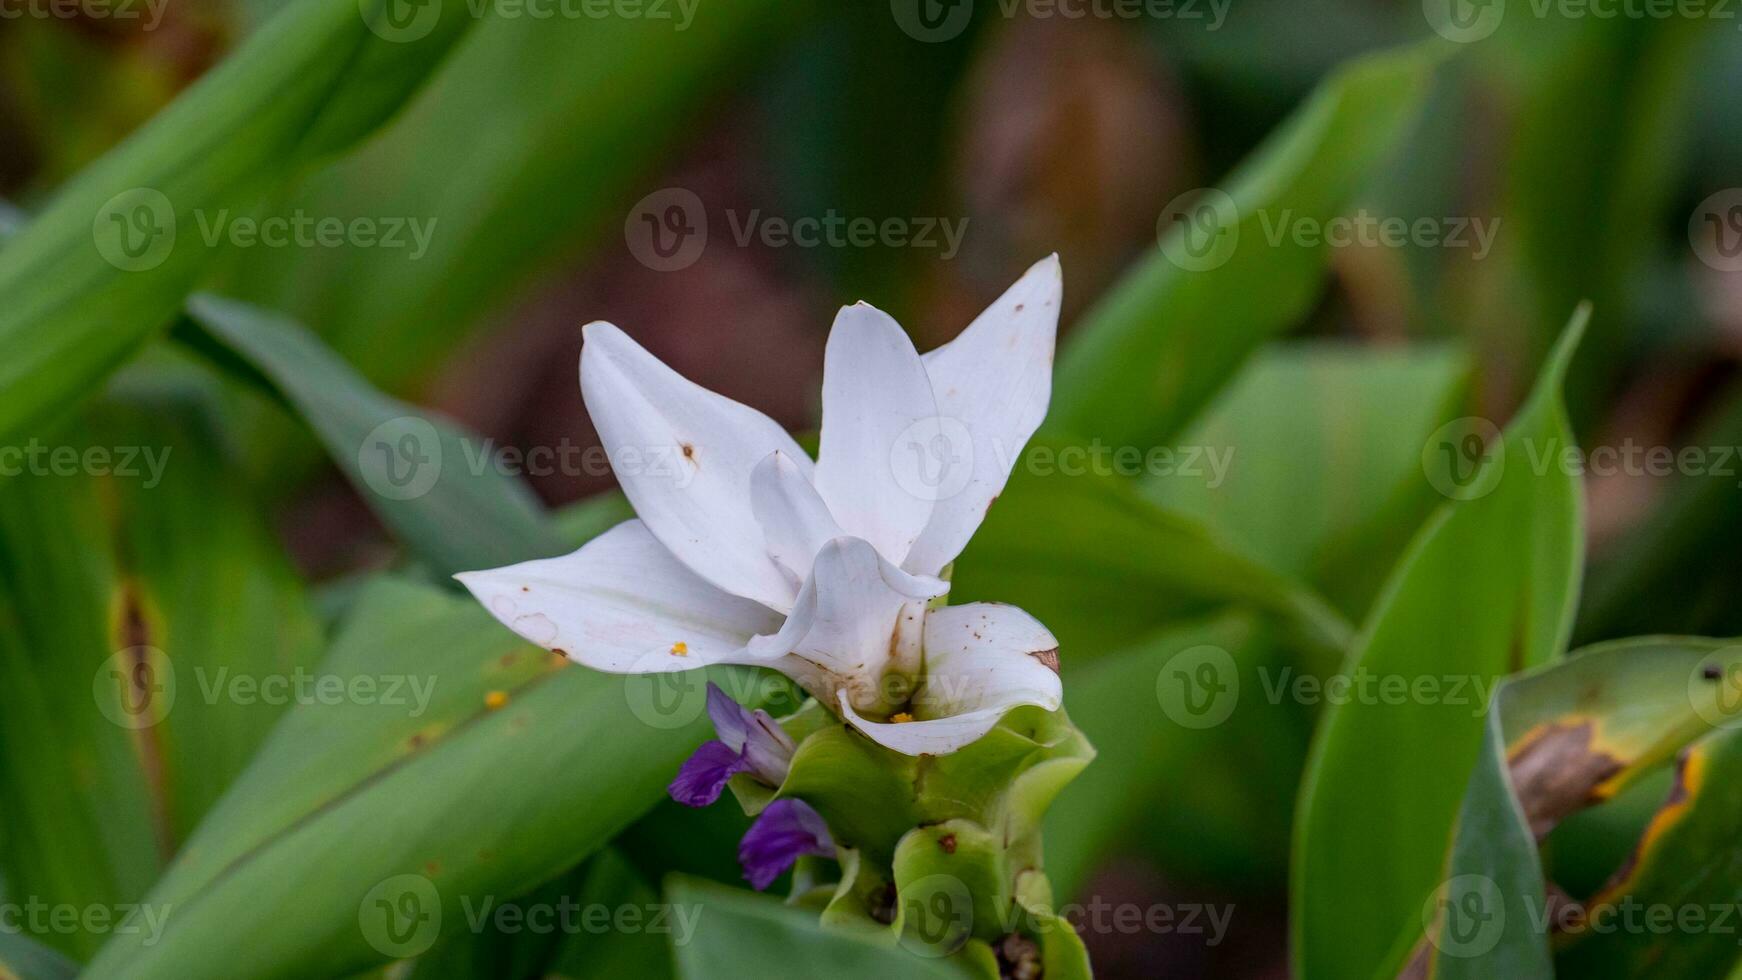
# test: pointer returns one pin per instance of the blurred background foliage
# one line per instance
(1589, 143)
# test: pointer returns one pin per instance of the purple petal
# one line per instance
(786, 830)
(705, 773)
(731, 722)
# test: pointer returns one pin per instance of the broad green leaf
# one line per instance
(1612, 94)
(111, 258)
(1103, 568)
(532, 141)
(742, 934)
(437, 486)
(600, 921)
(1683, 868)
(22, 958)
(1487, 588)
(1149, 355)
(1561, 738)
(135, 595)
(1157, 731)
(1310, 460)
(460, 763)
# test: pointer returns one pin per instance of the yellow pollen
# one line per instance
(900, 716)
(495, 699)
(680, 649)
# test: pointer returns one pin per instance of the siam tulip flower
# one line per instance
(745, 551)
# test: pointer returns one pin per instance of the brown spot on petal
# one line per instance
(1048, 657)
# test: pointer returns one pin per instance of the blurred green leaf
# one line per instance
(436, 485)
(1487, 588)
(1640, 584)
(742, 934)
(1153, 351)
(1102, 567)
(1320, 447)
(575, 927)
(1146, 795)
(413, 784)
(519, 154)
(138, 584)
(22, 958)
(111, 259)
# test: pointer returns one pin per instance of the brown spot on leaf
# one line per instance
(1556, 771)
(948, 843)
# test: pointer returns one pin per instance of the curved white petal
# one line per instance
(992, 385)
(877, 402)
(981, 660)
(622, 604)
(683, 455)
(795, 521)
(844, 620)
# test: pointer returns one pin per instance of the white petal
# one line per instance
(845, 618)
(992, 385)
(981, 660)
(683, 455)
(795, 521)
(622, 604)
(877, 398)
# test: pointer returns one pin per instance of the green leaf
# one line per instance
(742, 934)
(1683, 865)
(22, 958)
(1486, 589)
(436, 485)
(1146, 795)
(1310, 461)
(1103, 568)
(1149, 355)
(111, 259)
(133, 594)
(1559, 739)
(522, 149)
(412, 792)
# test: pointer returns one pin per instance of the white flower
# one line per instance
(746, 552)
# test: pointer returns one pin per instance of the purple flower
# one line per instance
(785, 831)
(749, 741)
